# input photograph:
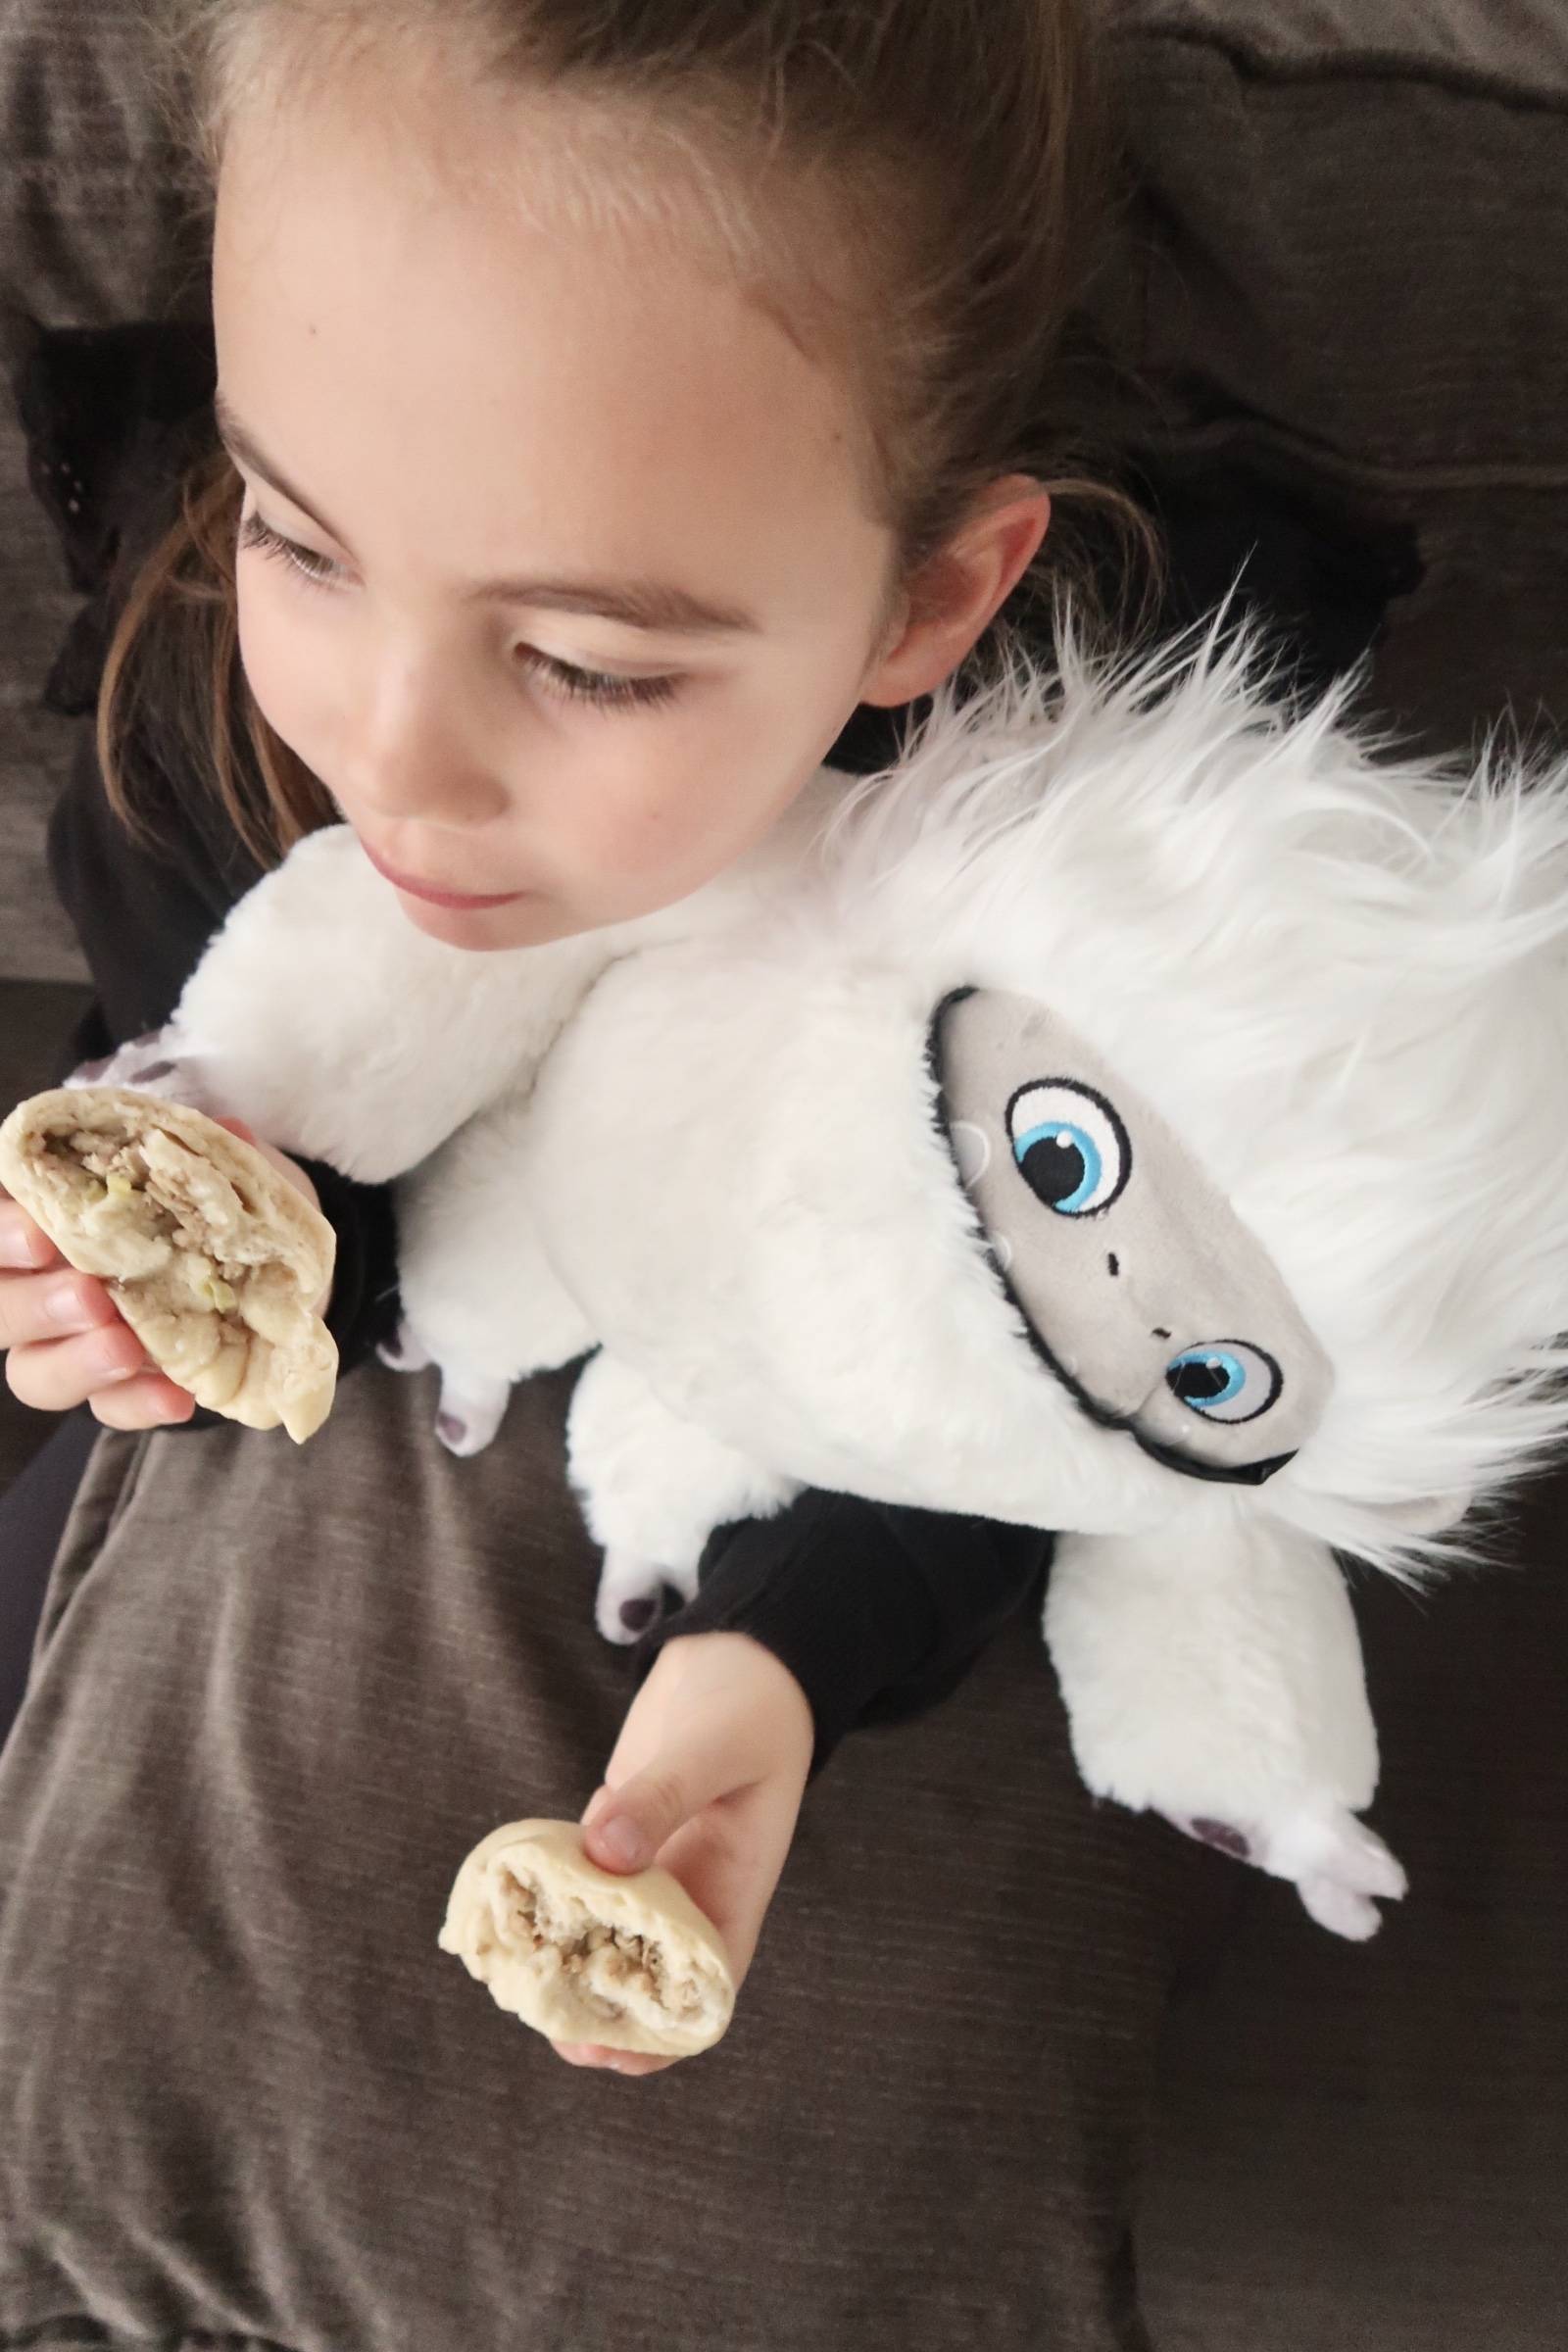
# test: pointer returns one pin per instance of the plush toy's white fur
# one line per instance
(706, 1142)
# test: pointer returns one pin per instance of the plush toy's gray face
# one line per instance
(1142, 1288)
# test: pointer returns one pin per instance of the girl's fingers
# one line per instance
(64, 1373)
(593, 2054)
(36, 1308)
(149, 1401)
(24, 1247)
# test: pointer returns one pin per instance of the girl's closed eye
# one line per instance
(595, 686)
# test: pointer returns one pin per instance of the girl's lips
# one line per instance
(440, 897)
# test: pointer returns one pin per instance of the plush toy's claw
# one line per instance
(1336, 1864)
(1336, 1908)
(631, 1593)
(405, 1351)
(470, 1412)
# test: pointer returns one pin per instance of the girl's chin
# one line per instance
(528, 923)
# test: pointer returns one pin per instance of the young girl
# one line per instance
(610, 399)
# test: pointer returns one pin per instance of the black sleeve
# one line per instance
(144, 915)
(877, 1609)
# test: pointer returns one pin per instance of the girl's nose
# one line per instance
(423, 753)
(440, 791)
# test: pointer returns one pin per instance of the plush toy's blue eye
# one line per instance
(1225, 1380)
(1071, 1147)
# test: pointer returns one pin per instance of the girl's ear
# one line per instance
(957, 590)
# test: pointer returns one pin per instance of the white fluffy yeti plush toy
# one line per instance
(1139, 1114)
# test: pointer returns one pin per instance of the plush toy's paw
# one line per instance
(631, 1592)
(1335, 1863)
(405, 1351)
(470, 1412)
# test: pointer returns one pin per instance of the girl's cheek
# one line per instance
(281, 675)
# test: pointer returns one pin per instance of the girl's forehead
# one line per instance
(400, 351)
(506, 233)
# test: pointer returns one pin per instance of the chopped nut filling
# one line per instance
(622, 1970)
(164, 1194)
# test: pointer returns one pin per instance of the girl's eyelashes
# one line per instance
(315, 569)
(595, 686)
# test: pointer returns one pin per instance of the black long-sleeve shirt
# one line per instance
(877, 1611)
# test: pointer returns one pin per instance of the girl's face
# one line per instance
(557, 567)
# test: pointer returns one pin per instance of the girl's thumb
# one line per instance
(625, 1826)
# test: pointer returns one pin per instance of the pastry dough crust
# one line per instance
(214, 1258)
(582, 1954)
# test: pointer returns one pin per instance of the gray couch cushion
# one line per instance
(1345, 260)
(1355, 228)
(247, 2101)
(1515, 46)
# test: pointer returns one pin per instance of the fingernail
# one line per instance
(620, 1842)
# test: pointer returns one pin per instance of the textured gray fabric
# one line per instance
(1513, 46)
(1363, 261)
(245, 2095)
(1369, 2146)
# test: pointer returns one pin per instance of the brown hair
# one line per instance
(958, 148)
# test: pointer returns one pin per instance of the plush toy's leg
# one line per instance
(405, 1351)
(653, 1489)
(480, 1297)
(1213, 1674)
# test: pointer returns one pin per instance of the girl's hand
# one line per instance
(68, 1343)
(707, 1779)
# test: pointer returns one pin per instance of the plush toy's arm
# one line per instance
(1213, 1674)
(321, 1016)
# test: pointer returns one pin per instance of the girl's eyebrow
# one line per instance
(653, 605)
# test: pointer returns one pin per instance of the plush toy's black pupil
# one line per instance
(1054, 1168)
(1198, 1383)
